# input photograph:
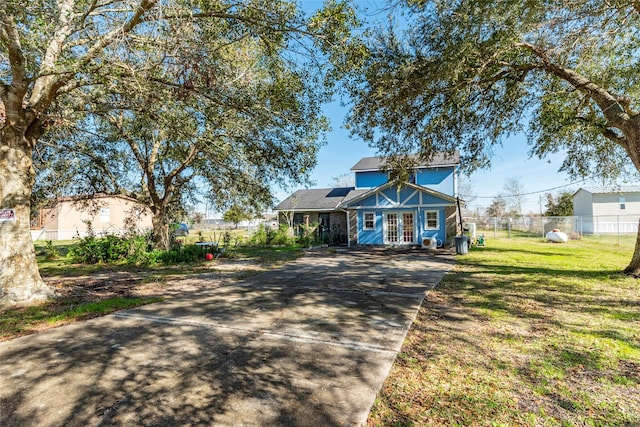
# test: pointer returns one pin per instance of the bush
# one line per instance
(50, 251)
(132, 248)
(267, 236)
(259, 238)
(188, 253)
(87, 250)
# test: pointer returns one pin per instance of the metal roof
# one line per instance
(608, 189)
(378, 163)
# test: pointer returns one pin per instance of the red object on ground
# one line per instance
(208, 257)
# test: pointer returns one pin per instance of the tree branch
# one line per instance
(42, 98)
(613, 111)
(11, 39)
(55, 47)
(168, 180)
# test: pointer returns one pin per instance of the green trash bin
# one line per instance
(462, 245)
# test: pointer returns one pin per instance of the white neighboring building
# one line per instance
(607, 209)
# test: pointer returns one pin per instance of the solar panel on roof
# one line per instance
(339, 192)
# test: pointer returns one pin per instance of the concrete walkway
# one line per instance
(309, 344)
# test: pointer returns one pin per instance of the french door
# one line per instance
(399, 228)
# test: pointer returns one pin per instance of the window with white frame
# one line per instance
(623, 203)
(368, 221)
(431, 220)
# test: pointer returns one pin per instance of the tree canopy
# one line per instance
(559, 205)
(236, 214)
(468, 74)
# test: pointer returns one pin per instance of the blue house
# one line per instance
(380, 211)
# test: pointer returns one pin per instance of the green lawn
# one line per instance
(523, 332)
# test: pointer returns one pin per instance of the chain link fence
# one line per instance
(574, 226)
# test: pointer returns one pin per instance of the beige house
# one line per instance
(72, 217)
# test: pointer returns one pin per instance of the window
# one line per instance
(407, 227)
(431, 220)
(392, 228)
(369, 221)
(623, 203)
(104, 215)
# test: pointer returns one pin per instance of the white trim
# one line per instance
(426, 224)
(403, 207)
(364, 221)
(411, 195)
(381, 193)
(400, 227)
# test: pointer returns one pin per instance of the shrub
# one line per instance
(259, 238)
(87, 250)
(50, 251)
(132, 248)
(188, 253)
(281, 235)
(226, 239)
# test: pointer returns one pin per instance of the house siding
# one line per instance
(583, 203)
(441, 180)
(371, 179)
(104, 215)
(369, 237)
(609, 204)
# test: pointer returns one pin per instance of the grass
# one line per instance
(526, 333)
(64, 266)
(19, 321)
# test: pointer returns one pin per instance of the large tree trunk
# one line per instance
(160, 231)
(20, 280)
(634, 266)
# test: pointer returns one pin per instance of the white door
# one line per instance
(399, 228)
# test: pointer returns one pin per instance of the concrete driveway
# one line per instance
(309, 344)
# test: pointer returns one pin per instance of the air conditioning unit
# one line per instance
(429, 242)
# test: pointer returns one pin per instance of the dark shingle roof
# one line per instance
(377, 163)
(318, 198)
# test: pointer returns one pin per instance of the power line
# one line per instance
(526, 194)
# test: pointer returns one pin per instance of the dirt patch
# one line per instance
(161, 283)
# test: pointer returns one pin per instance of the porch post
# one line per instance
(348, 229)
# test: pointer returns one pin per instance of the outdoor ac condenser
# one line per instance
(429, 242)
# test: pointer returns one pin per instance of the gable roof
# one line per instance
(369, 193)
(378, 163)
(318, 199)
(609, 189)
